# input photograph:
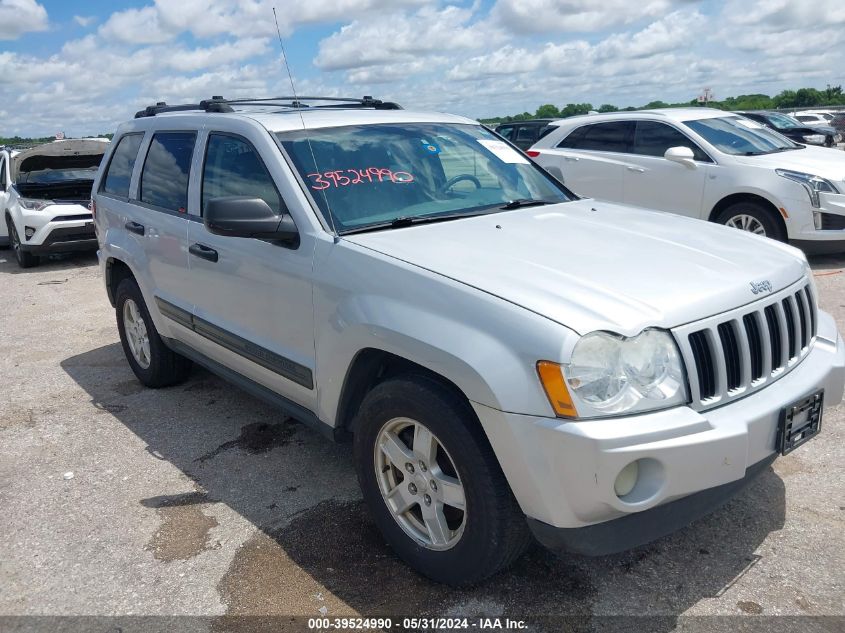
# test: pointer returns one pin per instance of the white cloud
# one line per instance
(403, 38)
(21, 16)
(85, 20)
(546, 16)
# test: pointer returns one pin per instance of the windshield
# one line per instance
(740, 136)
(369, 175)
(58, 175)
(783, 121)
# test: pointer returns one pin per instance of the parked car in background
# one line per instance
(44, 196)
(707, 164)
(524, 134)
(814, 117)
(809, 133)
(506, 358)
(838, 123)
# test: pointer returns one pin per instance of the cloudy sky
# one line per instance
(84, 66)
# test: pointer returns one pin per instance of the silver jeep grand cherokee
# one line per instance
(507, 359)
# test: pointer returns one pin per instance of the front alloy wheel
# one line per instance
(25, 259)
(419, 483)
(745, 222)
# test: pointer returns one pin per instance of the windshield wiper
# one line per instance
(406, 220)
(523, 202)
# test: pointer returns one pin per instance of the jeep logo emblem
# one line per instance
(761, 286)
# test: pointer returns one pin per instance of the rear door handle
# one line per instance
(134, 227)
(203, 251)
(639, 170)
(571, 158)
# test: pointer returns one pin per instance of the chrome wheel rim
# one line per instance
(16, 242)
(136, 333)
(745, 222)
(419, 484)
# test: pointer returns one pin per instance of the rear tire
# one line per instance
(488, 534)
(754, 218)
(154, 364)
(24, 259)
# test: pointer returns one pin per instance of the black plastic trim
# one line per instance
(294, 410)
(637, 529)
(285, 367)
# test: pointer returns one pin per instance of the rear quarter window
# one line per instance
(122, 163)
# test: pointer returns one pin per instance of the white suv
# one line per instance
(44, 197)
(706, 164)
(507, 358)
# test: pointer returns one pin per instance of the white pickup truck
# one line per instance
(44, 196)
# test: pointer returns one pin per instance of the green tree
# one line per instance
(573, 109)
(547, 111)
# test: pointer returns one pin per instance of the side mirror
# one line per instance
(681, 155)
(242, 216)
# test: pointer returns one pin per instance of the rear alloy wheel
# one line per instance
(432, 481)
(753, 218)
(25, 259)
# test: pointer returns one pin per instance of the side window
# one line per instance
(612, 136)
(164, 180)
(526, 133)
(653, 139)
(507, 132)
(121, 164)
(234, 168)
(3, 183)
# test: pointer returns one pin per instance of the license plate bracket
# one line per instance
(799, 422)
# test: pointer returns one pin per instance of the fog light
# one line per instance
(817, 220)
(626, 479)
(28, 231)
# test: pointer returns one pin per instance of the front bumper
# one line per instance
(60, 238)
(802, 229)
(563, 472)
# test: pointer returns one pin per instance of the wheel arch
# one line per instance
(116, 271)
(372, 366)
(735, 198)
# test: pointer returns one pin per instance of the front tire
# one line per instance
(433, 484)
(154, 364)
(754, 218)
(24, 259)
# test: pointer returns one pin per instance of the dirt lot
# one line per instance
(200, 501)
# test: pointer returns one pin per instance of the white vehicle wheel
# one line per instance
(753, 217)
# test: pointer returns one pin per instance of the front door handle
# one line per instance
(639, 170)
(203, 251)
(134, 227)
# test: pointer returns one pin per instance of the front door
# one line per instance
(4, 196)
(654, 182)
(253, 309)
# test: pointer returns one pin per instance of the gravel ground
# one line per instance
(198, 500)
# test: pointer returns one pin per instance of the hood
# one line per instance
(59, 154)
(592, 265)
(820, 161)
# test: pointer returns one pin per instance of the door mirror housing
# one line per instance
(242, 216)
(681, 155)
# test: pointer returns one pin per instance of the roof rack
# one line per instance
(219, 104)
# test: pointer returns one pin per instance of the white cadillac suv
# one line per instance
(707, 164)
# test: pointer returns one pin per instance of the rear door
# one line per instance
(157, 220)
(654, 182)
(253, 309)
(592, 159)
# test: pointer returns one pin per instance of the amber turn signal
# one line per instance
(551, 377)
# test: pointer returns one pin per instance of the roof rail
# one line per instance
(219, 104)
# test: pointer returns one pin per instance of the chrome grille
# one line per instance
(735, 353)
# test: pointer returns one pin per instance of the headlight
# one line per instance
(33, 204)
(817, 139)
(609, 375)
(812, 184)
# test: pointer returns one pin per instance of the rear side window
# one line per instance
(164, 180)
(121, 165)
(234, 168)
(612, 136)
(653, 139)
(526, 133)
